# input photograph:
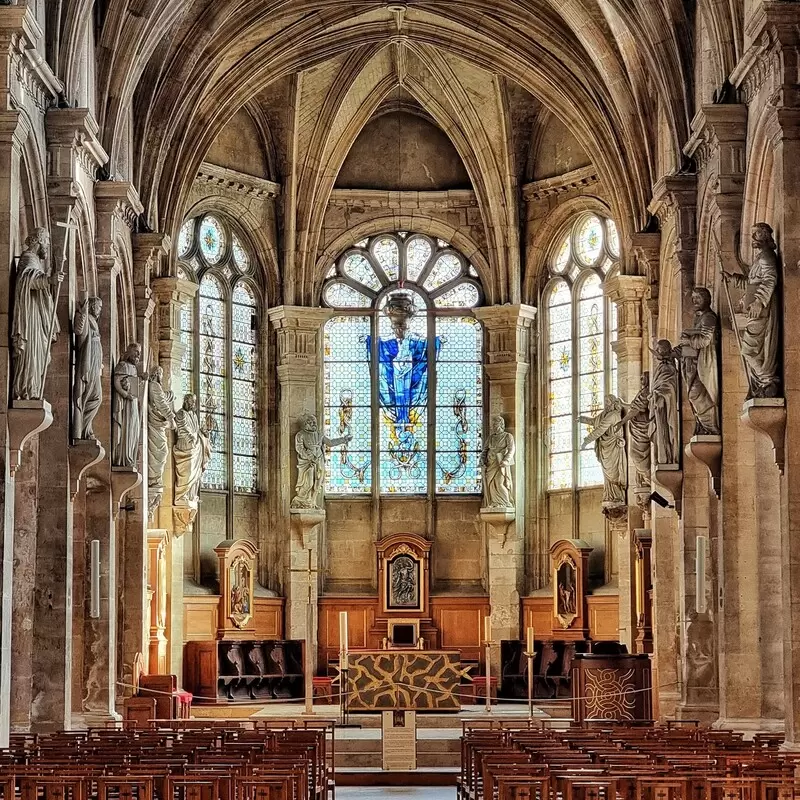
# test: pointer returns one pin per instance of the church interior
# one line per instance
(397, 399)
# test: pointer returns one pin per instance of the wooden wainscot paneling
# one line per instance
(269, 618)
(361, 613)
(460, 624)
(200, 618)
(603, 617)
(537, 613)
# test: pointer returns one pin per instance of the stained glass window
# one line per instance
(580, 324)
(221, 359)
(381, 368)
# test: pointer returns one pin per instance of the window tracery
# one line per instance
(403, 369)
(220, 361)
(579, 324)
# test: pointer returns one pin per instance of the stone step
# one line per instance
(374, 746)
(375, 760)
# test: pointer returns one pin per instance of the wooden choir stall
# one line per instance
(236, 664)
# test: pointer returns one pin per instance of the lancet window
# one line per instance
(220, 362)
(403, 369)
(579, 324)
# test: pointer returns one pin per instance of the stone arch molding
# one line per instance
(566, 54)
(354, 96)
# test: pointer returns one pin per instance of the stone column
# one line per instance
(771, 80)
(299, 332)
(674, 202)
(507, 349)
(627, 292)
(171, 295)
(148, 250)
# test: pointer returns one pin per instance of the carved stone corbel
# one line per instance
(707, 450)
(123, 480)
(305, 520)
(670, 477)
(768, 416)
(82, 454)
(26, 418)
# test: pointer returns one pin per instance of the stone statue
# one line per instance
(34, 327)
(192, 452)
(609, 447)
(637, 419)
(160, 416)
(698, 354)
(664, 400)
(126, 418)
(760, 340)
(497, 459)
(309, 444)
(87, 389)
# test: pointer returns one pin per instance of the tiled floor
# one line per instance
(394, 793)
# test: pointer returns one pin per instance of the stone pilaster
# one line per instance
(628, 292)
(171, 295)
(147, 250)
(507, 349)
(299, 332)
(675, 204)
(768, 78)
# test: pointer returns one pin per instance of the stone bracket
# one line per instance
(304, 520)
(83, 453)
(708, 450)
(123, 479)
(768, 416)
(670, 476)
(500, 519)
(183, 519)
(26, 418)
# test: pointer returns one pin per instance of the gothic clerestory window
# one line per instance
(403, 369)
(579, 324)
(220, 332)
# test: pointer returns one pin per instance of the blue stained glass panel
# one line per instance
(212, 240)
(244, 368)
(348, 467)
(459, 405)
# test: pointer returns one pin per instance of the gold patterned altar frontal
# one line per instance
(405, 680)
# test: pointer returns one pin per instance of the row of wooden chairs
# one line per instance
(271, 760)
(510, 761)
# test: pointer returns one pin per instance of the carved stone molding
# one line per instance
(83, 453)
(123, 480)
(183, 519)
(768, 416)
(376, 198)
(576, 179)
(26, 418)
(238, 182)
(708, 450)
(73, 139)
(670, 477)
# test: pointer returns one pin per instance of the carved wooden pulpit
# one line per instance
(237, 564)
(570, 564)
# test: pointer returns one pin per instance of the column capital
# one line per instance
(508, 332)
(172, 290)
(118, 199)
(73, 142)
(719, 135)
(628, 292)
(675, 200)
(298, 330)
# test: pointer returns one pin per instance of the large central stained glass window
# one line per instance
(579, 324)
(403, 369)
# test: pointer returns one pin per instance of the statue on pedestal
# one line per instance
(664, 402)
(34, 327)
(126, 417)
(497, 459)
(160, 416)
(760, 340)
(637, 419)
(609, 447)
(698, 353)
(192, 452)
(87, 388)
(309, 444)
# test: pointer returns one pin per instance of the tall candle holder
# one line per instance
(344, 685)
(530, 654)
(488, 645)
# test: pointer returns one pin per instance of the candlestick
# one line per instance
(94, 585)
(530, 639)
(343, 631)
(487, 628)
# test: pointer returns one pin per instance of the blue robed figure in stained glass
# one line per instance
(402, 380)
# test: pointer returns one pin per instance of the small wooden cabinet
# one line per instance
(245, 670)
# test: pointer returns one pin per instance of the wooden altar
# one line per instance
(405, 680)
(611, 688)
